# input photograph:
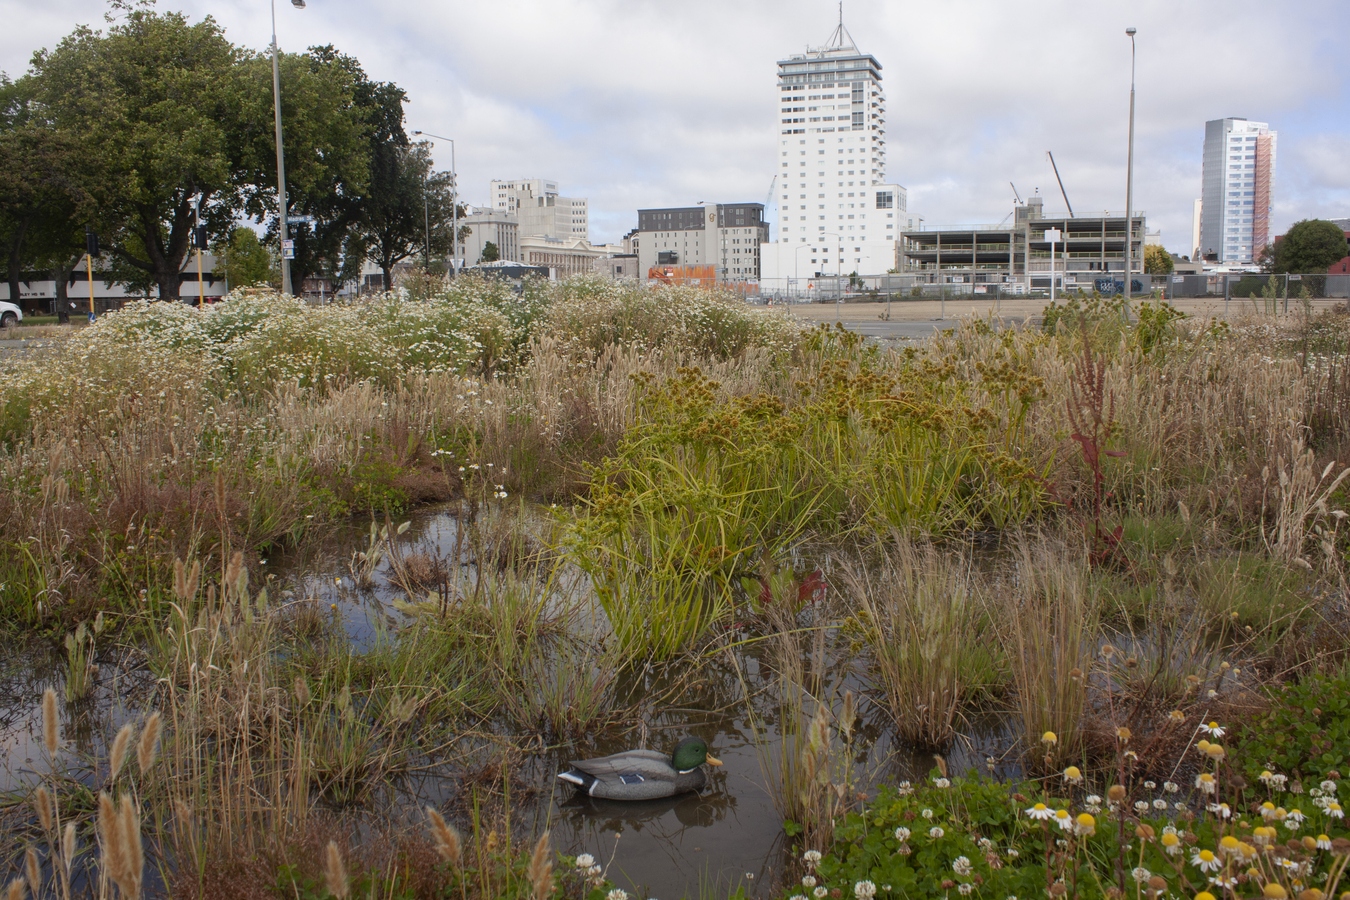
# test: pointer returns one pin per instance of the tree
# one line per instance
(1157, 261)
(1311, 245)
(490, 253)
(244, 261)
(334, 117)
(408, 210)
(158, 107)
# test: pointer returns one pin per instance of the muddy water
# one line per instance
(708, 844)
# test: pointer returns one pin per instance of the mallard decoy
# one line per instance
(643, 774)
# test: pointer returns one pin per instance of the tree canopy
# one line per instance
(132, 129)
(1157, 261)
(1312, 245)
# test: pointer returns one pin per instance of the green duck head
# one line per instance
(691, 753)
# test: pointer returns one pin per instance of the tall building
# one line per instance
(489, 224)
(725, 236)
(540, 209)
(836, 212)
(1236, 195)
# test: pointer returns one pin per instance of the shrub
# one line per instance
(1305, 732)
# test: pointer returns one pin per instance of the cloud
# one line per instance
(646, 103)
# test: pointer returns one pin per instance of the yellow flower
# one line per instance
(1274, 891)
(1073, 775)
(1229, 844)
(1170, 842)
(1177, 716)
(1085, 824)
(1204, 895)
(1049, 738)
(1215, 752)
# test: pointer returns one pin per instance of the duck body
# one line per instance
(643, 774)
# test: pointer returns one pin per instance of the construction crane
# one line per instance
(769, 199)
(1016, 196)
(1061, 183)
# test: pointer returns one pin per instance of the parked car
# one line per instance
(9, 314)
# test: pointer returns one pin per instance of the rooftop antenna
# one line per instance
(841, 39)
(1061, 183)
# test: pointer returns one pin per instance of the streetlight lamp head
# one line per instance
(1131, 31)
(418, 131)
(298, 4)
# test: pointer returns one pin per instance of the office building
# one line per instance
(490, 225)
(540, 210)
(1237, 190)
(726, 236)
(836, 211)
(1089, 252)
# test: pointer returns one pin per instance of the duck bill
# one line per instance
(713, 761)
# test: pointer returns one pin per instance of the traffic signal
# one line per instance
(199, 237)
(90, 241)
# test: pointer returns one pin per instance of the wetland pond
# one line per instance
(730, 835)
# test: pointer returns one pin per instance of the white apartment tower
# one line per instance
(836, 212)
(541, 210)
(1237, 190)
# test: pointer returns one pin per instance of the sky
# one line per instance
(641, 103)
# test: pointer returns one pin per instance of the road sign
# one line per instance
(1178, 279)
(1295, 277)
(288, 249)
(299, 220)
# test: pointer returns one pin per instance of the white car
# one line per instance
(9, 314)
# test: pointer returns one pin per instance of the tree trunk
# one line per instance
(16, 261)
(61, 279)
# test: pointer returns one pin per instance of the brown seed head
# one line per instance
(42, 805)
(447, 839)
(33, 871)
(68, 847)
(1058, 889)
(110, 837)
(1115, 793)
(145, 749)
(1144, 832)
(541, 869)
(1311, 894)
(1157, 883)
(129, 831)
(15, 890)
(335, 873)
(51, 726)
(121, 744)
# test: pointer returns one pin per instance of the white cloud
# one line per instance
(646, 103)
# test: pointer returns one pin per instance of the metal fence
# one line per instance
(1246, 286)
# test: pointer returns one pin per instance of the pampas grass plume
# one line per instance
(51, 727)
(145, 750)
(68, 847)
(541, 869)
(15, 891)
(335, 873)
(447, 839)
(120, 745)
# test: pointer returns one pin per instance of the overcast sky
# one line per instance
(643, 103)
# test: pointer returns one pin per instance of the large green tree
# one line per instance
(1311, 245)
(158, 106)
(333, 118)
(243, 261)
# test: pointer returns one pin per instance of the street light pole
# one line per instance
(454, 199)
(1129, 178)
(281, 153)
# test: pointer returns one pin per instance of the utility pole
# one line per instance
(282, 205)
(1129, 178)
(90, 251)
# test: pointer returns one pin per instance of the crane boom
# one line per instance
(1016, 196)
(1061, 183)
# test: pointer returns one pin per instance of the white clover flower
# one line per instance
(1150, 785)
(943, 783)
(985, 844)
(811, 857)
(1160, 803)
(902, 834)
(1140, 874)
(1329, 786)
(1141, 806)
(936, 832)
(965, 888)
(808, 881)
(1012, 853)
(821, 891)
(585, 861)
(1171, 787)
(617, 894)
(864, 890)
(927, 814)
(961, 866)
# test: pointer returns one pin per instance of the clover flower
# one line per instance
(1171, 787)
(585, 861)
(942, 783)
(821, 891)
(864, 890)
(808, 881)
(927, 813)
(1140, 874)
(965, 888)
(617, 894)
(935, 832)
(902, 834)
(811, 857)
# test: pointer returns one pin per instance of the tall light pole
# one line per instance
(281, 153)
(454, 199)
(1129, 177)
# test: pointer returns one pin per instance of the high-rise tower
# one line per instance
(1237, 190)
(836, 212)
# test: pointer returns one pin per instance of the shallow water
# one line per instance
(729, 835)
